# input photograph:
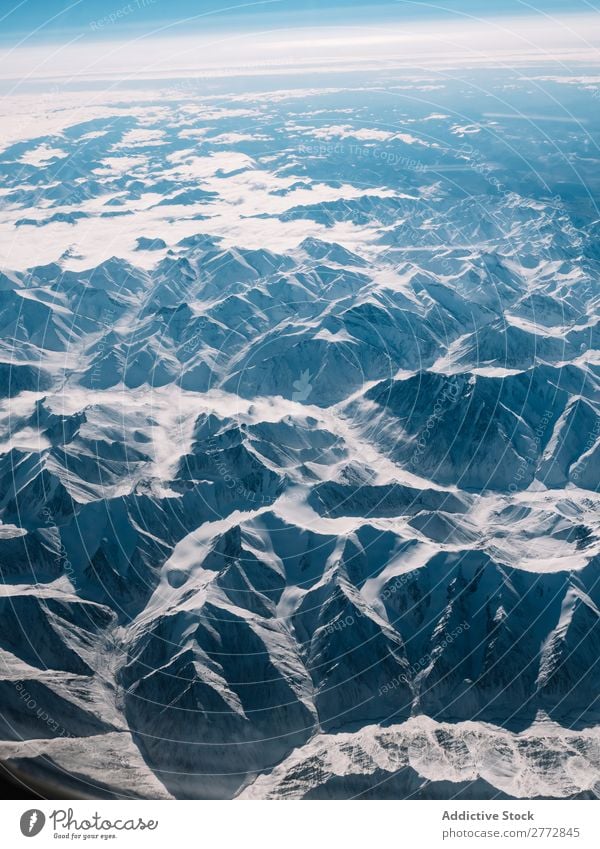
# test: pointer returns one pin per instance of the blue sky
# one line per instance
(77, 40)
(35, 20)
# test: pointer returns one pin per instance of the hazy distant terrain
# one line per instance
(300, 422)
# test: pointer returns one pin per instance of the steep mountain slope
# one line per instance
(299, 451)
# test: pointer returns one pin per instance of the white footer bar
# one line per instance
(302, 825)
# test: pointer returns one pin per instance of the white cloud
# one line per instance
(119, 165)
(465, 130)
(42, 155)
(345, 132)
(233, 138)
(521, 40)
(140, 138)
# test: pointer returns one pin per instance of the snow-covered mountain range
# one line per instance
(300, 436)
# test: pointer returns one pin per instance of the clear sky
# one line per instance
(35, 20)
